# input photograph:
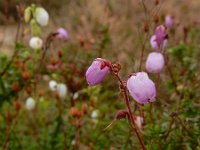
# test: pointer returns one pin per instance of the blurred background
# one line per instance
(118, 30)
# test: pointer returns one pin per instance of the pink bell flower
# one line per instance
(97, 71)
(141, 88)
(155, 62)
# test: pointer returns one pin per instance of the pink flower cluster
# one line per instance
(139, 85)
(158, 41)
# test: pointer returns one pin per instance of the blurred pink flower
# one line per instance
(155, 62)
(153, 43)
(97, 71)
(62, 34)
(141, 88)
(159, 40)
(160, 34)
(169, 21)
(53, 67)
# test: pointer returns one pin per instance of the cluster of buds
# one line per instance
(76, 113)
(158, 41)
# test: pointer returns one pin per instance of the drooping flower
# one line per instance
(35, 43)
(61, 90)
(155, 62)
(97, 71)
(169, 21)
(62, 34)
(53, 85)
(141, 88)
(41, 16)
(30, 103)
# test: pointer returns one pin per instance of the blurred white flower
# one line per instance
(62, 90)
(53, 85)
(30, 103)
(42, 16)
(35, 43)
(73, 142)
(95, 115)
(76, 95)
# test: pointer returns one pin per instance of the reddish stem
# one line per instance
(131, 119)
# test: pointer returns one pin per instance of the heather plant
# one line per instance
(113, 75)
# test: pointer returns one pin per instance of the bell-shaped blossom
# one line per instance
(97, 71)
(169, 21)
(61, 90)
(53, 85)
(155, 62)
(35, 43)
(30, 103)
(155, 45)
(41, 16)
(62, 34)
(141, 88)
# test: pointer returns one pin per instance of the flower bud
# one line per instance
(17, 105)
(30, 103)
(121, 114)
(155, 62)
(35, 43)
(25, 75)
(75, 112)
(15, 87)
(9, 117)
(27, 14)
(141, 88)
(169, 21)
(41, 16)
(28, 89)
(62, 34)
(85, 108)
(97, 72)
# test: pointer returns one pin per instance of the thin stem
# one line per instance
(10, 129)
(131, 119)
